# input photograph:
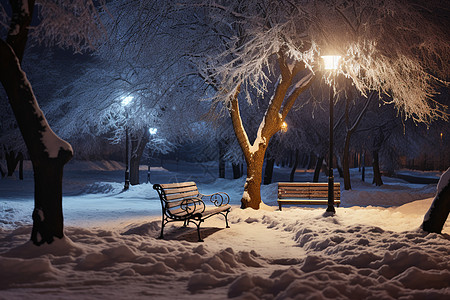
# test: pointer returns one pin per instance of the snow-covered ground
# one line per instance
(372, 248)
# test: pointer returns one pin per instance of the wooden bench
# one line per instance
(183, 202)
(306, 193)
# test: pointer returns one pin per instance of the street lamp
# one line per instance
(331, 63)
(152, 131)
(284, 127)
(125, 102)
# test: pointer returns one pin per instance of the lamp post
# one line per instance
(125, 102)
(331, 63)
(152, 131)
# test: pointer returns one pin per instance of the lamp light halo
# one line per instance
(331, 62)
(126, 100)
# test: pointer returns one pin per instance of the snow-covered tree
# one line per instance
(399, 48)
(75, 25)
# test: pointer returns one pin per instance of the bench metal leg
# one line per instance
(198, 230)
(161, 236)
(279, 205)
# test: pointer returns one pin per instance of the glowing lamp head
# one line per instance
(126, 100)
(284, 126)
(331, 62)
(152, 131)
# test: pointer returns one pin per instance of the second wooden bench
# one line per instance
(306, 193)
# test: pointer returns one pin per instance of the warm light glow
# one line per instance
(331, 61)
(441, 136)
(152, 131)
(126, 100)
(284, 127)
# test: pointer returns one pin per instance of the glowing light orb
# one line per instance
(331, 61)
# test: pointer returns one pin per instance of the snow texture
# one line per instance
(111, 252)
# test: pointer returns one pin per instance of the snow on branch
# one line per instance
(71, 24)
(398, 48)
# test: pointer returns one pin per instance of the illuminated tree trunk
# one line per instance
(275, 115)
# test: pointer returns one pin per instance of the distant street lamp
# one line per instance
(284, 127)
(331, 62)
(152, 131)
(125, 102)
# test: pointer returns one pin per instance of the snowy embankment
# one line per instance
(111, 252)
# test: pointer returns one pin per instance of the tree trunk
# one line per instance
(437, 215)
(311, 161)
(268, 171)
(376, 169)
(363, 167)
(11, 161)
(319, 162)
(138, 143)
(346, 164)
(252, 188)
(276, 113)
(339, 166)
(20, 166)
(48, 153)
(221, 159)
(294, 167)
(237, 172)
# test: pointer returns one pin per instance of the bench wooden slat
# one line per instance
(312, 193)
(308, 202)
(177, 185)
(181, 196)
(181, 190)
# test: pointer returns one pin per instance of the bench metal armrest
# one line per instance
(218, 199)
(192, 206)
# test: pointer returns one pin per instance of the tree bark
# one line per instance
(268, 171)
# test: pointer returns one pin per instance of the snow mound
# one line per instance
(355, 254)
